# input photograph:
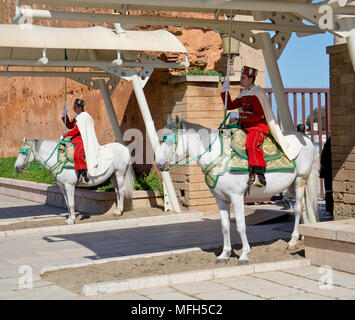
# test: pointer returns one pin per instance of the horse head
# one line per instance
(167, 152)
(25, 156)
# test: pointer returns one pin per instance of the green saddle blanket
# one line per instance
(234, 157)
(65, 158)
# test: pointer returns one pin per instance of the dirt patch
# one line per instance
(85, 218)
(74, 279)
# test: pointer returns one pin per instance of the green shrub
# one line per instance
(149, 182)
(42, 175)
(199, 72)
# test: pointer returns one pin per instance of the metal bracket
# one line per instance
(280, 39)
(88, 81)
(243, 35)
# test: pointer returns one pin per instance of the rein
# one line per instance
(27, 151)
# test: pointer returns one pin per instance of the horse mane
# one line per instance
(38, 142)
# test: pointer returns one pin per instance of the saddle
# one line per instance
(234, 156)
(65, 158)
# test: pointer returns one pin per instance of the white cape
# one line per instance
(98, 158)
(290, 142)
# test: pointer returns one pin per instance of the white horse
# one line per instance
(191, 139)
(120, 171)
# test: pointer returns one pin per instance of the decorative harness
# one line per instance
(174, 139)
(27, 149)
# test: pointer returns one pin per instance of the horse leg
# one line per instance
(70, 189)
(62, 189)
(238, 208)
(299, 207)
(223, 207)
(118, 182)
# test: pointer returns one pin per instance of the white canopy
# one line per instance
(27, 42)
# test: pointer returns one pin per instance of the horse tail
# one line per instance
(312, 192)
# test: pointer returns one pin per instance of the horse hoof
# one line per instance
(292, 246)
(243, 262)
(221, 261)
(118, 214)
(69, 222)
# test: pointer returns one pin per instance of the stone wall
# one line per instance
(342, 100)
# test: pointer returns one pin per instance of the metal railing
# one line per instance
(302, 102)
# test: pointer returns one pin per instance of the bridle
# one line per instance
(174, 138)
(26, 150)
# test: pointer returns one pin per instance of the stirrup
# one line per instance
(82, 182)
(255, 181)
(258, 183)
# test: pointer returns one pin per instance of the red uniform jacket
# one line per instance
(74, 133)
(251, 116)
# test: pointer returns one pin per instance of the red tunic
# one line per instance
(79, 152)
(251, 116)
(252, 120)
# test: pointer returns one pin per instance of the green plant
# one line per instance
(199, 72)
(41, 175)
(149, 182)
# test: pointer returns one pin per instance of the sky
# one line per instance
(304, 63)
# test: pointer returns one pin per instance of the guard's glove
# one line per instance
(225, 86)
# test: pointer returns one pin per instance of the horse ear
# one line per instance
(24, 140)
(170, 121)
(177, 120)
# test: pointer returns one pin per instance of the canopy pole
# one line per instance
(108, 104)
(351, 46)
(110, 110)
(276, 82)
(153, 138)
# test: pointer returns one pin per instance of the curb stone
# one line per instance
(92, 289)
(105, 225)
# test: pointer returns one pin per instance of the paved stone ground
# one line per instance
(302, 283)
(40, 251)
(14, 209)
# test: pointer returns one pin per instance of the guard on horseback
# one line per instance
(252, 120)
(75, 136)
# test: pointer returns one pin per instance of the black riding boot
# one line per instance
(84, 174)
(260, 172)
(251, 176)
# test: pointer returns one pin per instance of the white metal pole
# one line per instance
(351, 46)
(108, 103)
(153, 138)
(276, 82)
(110, 110)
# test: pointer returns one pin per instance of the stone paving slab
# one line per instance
(260, 287)
(16, 209)
(305, 284)
(339, 278)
